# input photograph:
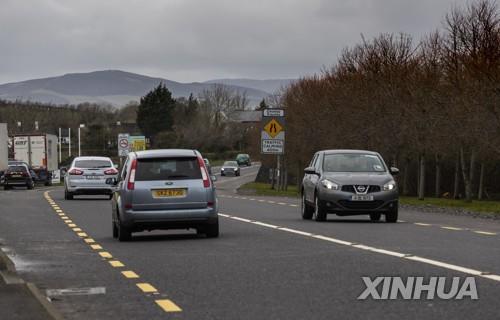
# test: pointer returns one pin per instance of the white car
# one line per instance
(87, 176)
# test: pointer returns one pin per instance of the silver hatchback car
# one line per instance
(87, 176)
(164, 189)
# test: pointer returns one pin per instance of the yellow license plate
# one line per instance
(169, 193)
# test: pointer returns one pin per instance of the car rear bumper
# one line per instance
(340, 203)
(17, 182)
(168, 219)
(90, 190)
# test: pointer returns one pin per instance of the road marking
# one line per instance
(165, 304)
(293, 205)
(116, 264)
(282, 203)
(423, 224)
(224, 215)
(168, 305)
(359, 246)
(105, 254)
(260, 200)
(452, 228)
(486, 233)
(75, 291)
(130, 274)
(146, 287)
(271, 202)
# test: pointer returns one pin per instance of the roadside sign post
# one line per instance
(272, 141)
(123, 145)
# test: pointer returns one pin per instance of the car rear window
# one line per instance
(17, 169)
(92, 164)
(167, 169)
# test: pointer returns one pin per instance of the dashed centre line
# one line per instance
(359, 246)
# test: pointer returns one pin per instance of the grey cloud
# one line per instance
(188, 40)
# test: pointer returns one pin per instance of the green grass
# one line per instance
(264, 189)
(475, 206)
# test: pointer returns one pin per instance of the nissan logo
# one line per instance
(361, 188)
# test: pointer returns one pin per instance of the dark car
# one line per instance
(243, 159)
(349, 182)
(230, 168)
(18, 175)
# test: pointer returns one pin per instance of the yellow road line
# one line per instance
(71, 225)
(82, 234)
(68, 221)
(130, 274)
(116, 264)
(105, 254)
(89, 240)
(96, 247)
(59, 211)
(146, 287)
(168, 305)
(486, 233)
(77, 229)
(64, 218)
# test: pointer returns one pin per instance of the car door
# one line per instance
(318, 163)
(307, 182)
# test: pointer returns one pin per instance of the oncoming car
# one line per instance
(349, 182)
(87, 176)
(164, 189)
(230, 167)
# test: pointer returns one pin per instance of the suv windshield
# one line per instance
(348, 162)
(167, 169)
(230, 164)
(17, 169)
(92, 164)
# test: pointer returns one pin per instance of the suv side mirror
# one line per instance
(112, 181)
(394, 171)
(310, 170)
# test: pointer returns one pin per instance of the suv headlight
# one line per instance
(391, 185)
(330, 185)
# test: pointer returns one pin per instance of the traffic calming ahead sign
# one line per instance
(273, 131)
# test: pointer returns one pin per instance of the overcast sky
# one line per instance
(197, 40)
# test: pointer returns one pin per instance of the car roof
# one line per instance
(92, 158)
(159, 153)
(334, 151)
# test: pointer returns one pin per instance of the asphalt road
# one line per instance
(267, 264)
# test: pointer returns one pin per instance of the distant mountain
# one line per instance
(116, 88)
(270, 85)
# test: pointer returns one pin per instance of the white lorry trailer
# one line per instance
(39, 152)
(4, 150)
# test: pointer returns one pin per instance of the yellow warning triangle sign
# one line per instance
(273, 128)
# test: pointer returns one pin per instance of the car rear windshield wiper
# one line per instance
(177, 176)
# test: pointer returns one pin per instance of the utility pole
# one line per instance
(69, 142)
(60, 145)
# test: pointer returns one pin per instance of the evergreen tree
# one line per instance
(155, 112)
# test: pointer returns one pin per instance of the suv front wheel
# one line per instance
(307, 210)
(319, 212)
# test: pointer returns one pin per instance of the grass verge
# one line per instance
(474, 206)
(264, 189)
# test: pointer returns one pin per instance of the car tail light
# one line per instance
(210, 204)
(26, 174)
(131, 178)
(111, 171)
(75, 172)
(204, 173)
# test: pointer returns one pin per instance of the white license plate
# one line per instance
(358, 197)
(93, 177)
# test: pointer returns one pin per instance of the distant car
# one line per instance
(207, 164)
(230, 167)
(164, 189)
(18, 175)
(349, 182)
(87, 176)
(243, 159)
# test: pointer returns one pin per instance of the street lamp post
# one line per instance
(79, 140)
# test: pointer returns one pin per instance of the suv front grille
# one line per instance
(361, 205)
(350, 188)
